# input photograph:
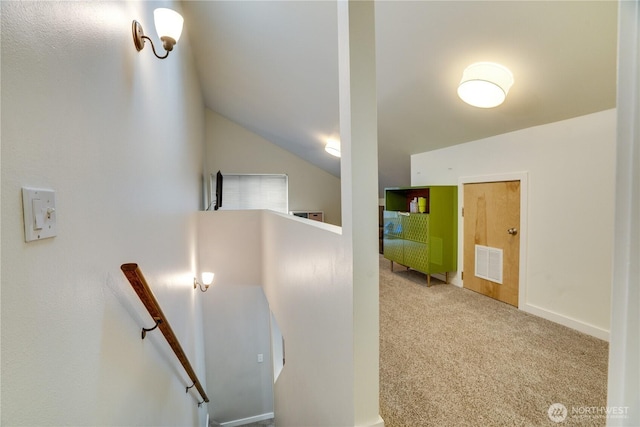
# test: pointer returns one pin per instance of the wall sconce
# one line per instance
(207, 279)
(333, 147)
(168, 26)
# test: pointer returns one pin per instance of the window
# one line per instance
(255, 191)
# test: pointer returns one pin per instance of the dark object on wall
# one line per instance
(380, 228)
(218, 191)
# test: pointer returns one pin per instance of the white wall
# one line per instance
(570, 166)
(236, 330)
(301, 267)
(118, 134)
(309, 287)
(233, 149)
(236, 315)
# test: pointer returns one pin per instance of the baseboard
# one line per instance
(563, 320)
(248, 420)
(594, 331)
(453, 278)
(377, 423)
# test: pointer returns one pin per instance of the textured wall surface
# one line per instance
(118, 134)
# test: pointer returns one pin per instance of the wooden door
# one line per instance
(492, 230)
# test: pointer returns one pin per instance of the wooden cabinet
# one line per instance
(426, 242)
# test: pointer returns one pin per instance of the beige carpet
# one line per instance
(452, 357)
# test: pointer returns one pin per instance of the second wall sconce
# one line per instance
(168, 26)
(207, 279)
(333, 147)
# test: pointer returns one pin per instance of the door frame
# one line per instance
(523, 177)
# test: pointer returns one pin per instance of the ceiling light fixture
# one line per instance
(485, 84)
(333, 147)
(168, 26)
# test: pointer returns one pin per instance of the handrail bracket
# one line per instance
(145, 330)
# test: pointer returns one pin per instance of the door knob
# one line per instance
(512, 231)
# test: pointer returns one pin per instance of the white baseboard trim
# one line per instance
(561, 319)
(594, 331)
(453, 278)
(248, 420)
(377, 423)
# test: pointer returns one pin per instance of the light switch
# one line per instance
(38, 214)
(39, 209)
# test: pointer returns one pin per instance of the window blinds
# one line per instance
(255, 192)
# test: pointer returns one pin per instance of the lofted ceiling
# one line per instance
(272, 67)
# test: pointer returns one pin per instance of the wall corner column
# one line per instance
(359, 176)
(624, 349)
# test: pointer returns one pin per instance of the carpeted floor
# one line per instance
(452, 357)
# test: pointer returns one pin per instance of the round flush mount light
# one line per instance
(333, 147)
(485, 84)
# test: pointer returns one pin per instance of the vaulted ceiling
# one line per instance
(272, 67)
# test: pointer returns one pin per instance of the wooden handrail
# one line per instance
(139, 284)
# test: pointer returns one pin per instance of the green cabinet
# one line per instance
(426, 242)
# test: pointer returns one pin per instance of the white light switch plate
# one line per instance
(39, 209)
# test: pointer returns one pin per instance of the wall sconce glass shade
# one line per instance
(168, 26)
(485, 84)
(207, 279)
(333, 147)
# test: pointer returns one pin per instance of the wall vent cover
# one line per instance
(489, 263)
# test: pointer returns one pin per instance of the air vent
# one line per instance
(489, 263)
